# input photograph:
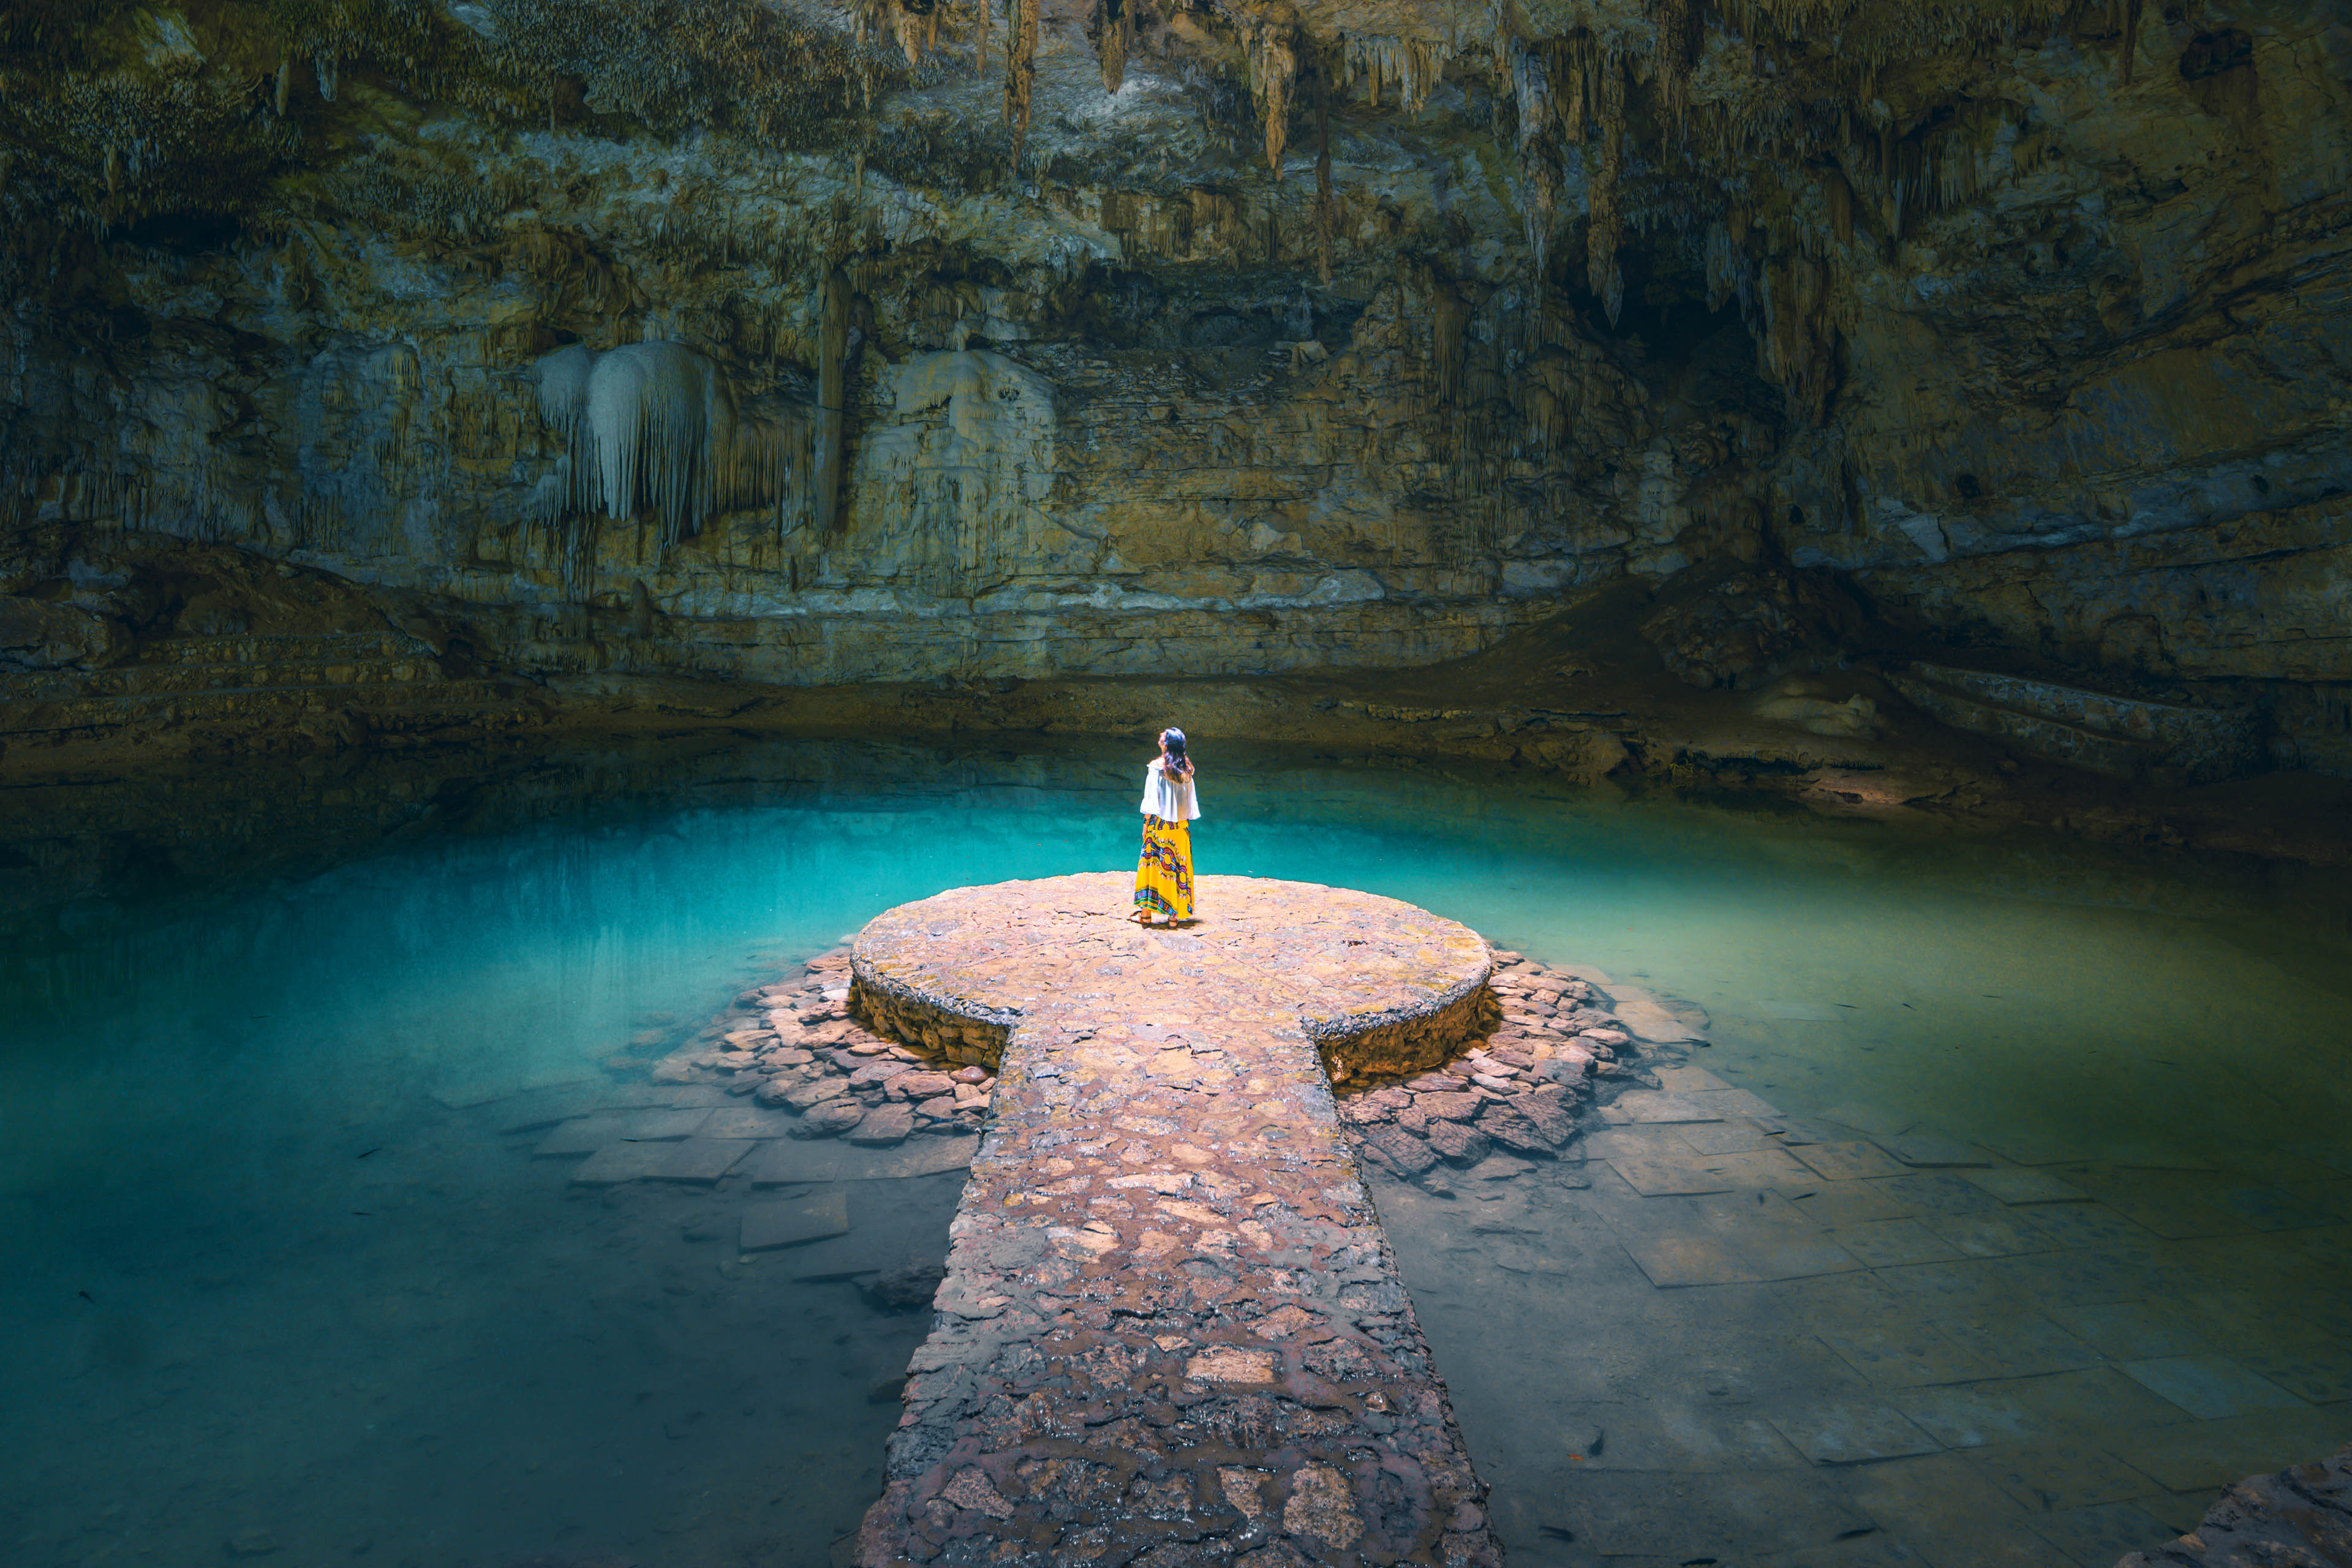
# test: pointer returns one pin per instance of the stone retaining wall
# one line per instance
(957, 1035)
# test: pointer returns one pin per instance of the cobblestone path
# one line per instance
(1171, 1331)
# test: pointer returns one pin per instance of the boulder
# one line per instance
(886, 1124)
(803, 1096)
(1460, 1145)
(1400, 1149)
(905, 1288)
(829, 1120)
(919, 1085)
(1548, 1108)
(1511, 1129)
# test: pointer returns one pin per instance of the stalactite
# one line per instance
(1323, 213)
(1890, 186)
(1449, 321)
(1114, 37)
(1607, 151)
(1274, 66)
(1672, 20)
(1840, 203)
(1415, 64)
(2131, 38)
(1726, 263)
(1539, 180)
(979, 35)
(1798, 346)
(1567, 70)
(832, 398)
(1530, 92)
(1020, 72)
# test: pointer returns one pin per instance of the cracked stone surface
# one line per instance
(1171, 1331)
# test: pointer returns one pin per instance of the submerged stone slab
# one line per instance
(1171, 1329)
(703, 1159)
(791, 1223)
(743, 1121)
(582, 1135)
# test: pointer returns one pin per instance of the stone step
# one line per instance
(2123, 737)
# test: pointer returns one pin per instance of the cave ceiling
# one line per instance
(1386, 322)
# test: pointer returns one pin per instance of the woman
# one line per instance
(1163, 879)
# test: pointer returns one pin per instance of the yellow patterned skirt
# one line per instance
(1163, 879)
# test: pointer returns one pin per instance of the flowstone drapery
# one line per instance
(655, 428)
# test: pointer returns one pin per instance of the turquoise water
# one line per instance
(277, 1269)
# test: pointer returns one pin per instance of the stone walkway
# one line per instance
(1171, 1332)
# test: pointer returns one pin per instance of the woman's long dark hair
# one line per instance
(1178, 763)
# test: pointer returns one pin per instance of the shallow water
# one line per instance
(279, 1270)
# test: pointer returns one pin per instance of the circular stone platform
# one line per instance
(1170, 1332)
(1381, 987)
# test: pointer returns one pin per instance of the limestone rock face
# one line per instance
(1226, 340)
(39, 635)
(1715, 634)
(957, 469)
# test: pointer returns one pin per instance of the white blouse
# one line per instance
(1171, 800)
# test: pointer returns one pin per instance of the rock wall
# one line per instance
(1073, 509)
(2260, 603)
(1235, 339)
